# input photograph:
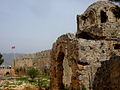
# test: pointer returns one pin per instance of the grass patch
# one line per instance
(41, 81)
(22, 78)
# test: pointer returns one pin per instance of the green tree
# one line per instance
(1, 59)
(32, 72)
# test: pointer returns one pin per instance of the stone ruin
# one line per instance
(91, 58)
(39, 60)
(6, 70)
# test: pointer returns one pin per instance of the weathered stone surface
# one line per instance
(61, 51)
(107, 76)
(100, 20)
(42, 61)
(99, 31)
(39, 60)
(91, 58)
(83, 56)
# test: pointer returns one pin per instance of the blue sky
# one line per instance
(33, 25)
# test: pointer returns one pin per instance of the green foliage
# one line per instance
(22, 78)
(1, 60)
(42, 83)
(84, 88)
(66, 89)
(32, 73)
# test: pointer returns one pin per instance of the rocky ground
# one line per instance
(23, 83)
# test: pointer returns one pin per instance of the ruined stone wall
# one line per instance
(99, 12)
(63, 63)
(39, 60)
(92, 54)
(6, 71)
(42, 61)
(107, 76)
(91, 58)
(74, 62)
(101, 19)
(24, 61)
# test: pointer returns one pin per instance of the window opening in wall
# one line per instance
(116, 46)
(85, 35)
(7, 73)
(60, 59)
(104, 17)
(91, 18)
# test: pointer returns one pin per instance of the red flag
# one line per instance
(13, 47)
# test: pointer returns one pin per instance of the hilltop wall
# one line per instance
(39, 60)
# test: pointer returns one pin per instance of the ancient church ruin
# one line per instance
(91, 58)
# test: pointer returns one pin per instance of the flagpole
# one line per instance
(13, 48)
(14, 53)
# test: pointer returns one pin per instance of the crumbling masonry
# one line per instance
(39, 60)
(91, 58)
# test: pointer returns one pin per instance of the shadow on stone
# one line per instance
(107, 76)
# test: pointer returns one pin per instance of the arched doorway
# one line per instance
(91, 17)
(104, 17)
(59, 72)
(63, 72)
(7, 73)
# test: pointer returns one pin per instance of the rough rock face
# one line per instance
(39, 60)
(101, 19)
(90, 58)
(24, 61)
(42, 61)
(107, 76)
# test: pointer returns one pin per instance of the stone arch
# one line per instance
(103, 16)
(88, 18)
(74, 78)
(71, 79)
(107, 76)
(92, 17)
(58, 55)
(59, 66)
(111, 16)
(7, 73)
(63, 59)
(59, 71)
(116, 12)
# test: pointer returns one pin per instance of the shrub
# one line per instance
(83, 88)
(32, 73)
